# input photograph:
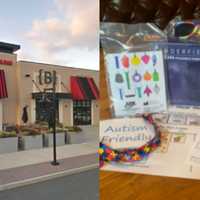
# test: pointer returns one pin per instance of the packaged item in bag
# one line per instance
(183, 31)
(135, 68)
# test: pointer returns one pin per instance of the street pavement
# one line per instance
(79, 186)
(25, 174)
(30, 174)
(28, 167)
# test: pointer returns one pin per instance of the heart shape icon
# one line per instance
(145, 59)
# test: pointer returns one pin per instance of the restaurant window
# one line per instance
(82, 112)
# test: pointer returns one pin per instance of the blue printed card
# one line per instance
(137, 82)
(183, 72)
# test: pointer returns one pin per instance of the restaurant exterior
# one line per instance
(27, 86)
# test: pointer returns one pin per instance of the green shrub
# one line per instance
(32, 133)
(42, 123)
(4, 134)
(67, 128)
(73, 128)
(30, 130)
(58, 130)
(59, 125)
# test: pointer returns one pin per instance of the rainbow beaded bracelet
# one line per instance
(130, 155)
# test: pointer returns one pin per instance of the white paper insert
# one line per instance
(137, 82)
(126, 132)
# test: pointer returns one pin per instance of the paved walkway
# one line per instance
(88, 134)
(27, 167)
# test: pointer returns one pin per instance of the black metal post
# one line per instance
(54, 162)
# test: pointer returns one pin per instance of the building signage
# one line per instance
(5, 62)
(46, 77)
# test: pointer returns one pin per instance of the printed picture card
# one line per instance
(137, 82)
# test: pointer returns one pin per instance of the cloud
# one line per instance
(73, 25)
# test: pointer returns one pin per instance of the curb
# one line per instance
(47, 177)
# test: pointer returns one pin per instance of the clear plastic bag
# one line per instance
(134, 67)
(183, 31)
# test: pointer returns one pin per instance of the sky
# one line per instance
(62, 32)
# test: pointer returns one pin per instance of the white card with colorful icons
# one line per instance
(137, 82)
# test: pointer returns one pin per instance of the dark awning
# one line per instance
(8, 48)
(3, 88)
(83, 88)
(59, 95)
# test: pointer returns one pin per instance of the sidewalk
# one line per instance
(88, 134)
(28, 167)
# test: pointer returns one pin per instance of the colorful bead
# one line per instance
(108, 151)
(146, 149)
(113, 154)
(136, 157)
(101, 151)
(107, 154)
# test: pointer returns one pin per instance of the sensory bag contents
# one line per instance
(137, 82)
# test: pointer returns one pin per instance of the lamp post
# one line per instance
(54, 162)
(50, 78)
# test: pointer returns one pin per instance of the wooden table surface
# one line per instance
(124, 186)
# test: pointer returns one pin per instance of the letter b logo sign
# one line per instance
(48, 77)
